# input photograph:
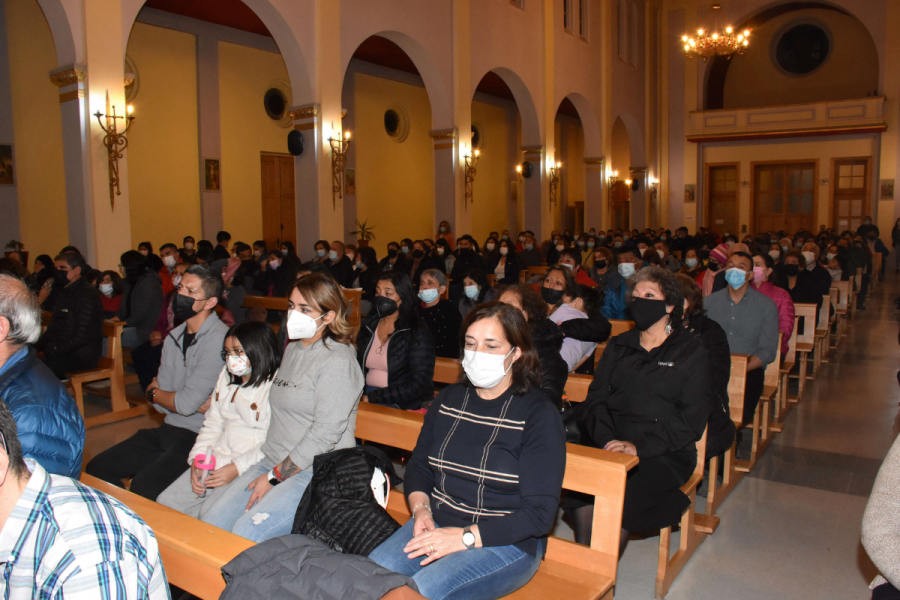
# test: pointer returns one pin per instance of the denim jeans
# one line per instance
(477, 574)
(129, 338)
(280, 503)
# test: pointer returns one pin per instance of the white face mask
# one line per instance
(810, 260)
(257, 253)
(169, 261)
(428, 296)
(490, 247)
(690, 262)
(284, 252)
(106, 289)
(626, 270)
(775, 254)
(560, 247)
(440, 250)
(568, 266)
(189, 245)
(504, 251)
(830, 257)
(662, 255)
(485, 370)
(273, 264)
(234, 255)
(302, 327)
(144, 252)
(238, 365)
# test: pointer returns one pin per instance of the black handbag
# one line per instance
(572, 413)
(338, 507)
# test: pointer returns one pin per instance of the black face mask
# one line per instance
(392, 252)
(600, 264)
(61, 277)
(647, 312)
(713, 266)
(464, 250)
(551, 296)
(385, 306)
(183, 307)
(792, 270)
(418, 254)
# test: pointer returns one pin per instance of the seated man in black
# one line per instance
(73, 340)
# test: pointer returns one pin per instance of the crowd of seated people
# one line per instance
(266, 405)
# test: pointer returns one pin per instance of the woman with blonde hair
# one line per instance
(313, 402)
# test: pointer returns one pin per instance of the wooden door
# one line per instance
(850, 194)
(620, 206)
(785, 197)
(278, 206)
(723, 212)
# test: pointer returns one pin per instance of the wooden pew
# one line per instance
(569, 570)
(446, 370)
(785, 400)
(523, 275)
(842, 308)
(823, 334)
(731, 476)
(805, 343)
(762, 432)
(834, 320)
(876, 270)
(539, 270)
(855, 287)
(267, 302)
(353, 297)
(618, 328)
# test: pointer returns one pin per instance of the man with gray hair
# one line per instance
(51, 429)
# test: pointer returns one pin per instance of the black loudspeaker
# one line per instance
(295, 143)
(526, 170)
(635, 185)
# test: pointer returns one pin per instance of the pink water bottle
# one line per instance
(206, 463)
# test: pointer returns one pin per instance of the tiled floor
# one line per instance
(790, 530)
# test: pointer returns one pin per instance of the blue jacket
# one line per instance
(50, 427)
(614, 304)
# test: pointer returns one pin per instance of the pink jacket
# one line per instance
(785, 305)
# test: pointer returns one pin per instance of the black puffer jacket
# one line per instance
(410, 363)
(595, 329)
(721, 427)
(660, 401)
(77, 324)
(296, 567)
(548, 339)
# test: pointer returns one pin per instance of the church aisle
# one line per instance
(791, 529)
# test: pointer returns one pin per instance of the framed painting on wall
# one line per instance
(6, 165)
(689, 192)
(887, 189)
(350, 182)
(212, 175)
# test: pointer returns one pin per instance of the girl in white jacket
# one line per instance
(237, 419)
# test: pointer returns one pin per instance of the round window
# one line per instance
(802, 48)
(275, 103)
(477, 136)
(391, 122)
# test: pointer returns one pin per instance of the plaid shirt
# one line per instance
(66, 540)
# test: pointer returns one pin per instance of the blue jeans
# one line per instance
(477, 574)
(280, 503)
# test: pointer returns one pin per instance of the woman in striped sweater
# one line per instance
(484, 481)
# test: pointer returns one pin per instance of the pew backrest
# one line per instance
(736, 384)
(806, 313)
(619, 326)
(773, 369)
(446, 370)
(824, 313)
(843, 294)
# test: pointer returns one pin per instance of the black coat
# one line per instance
(595, 329)
(410, 364)
(342, 270)
(715, 340)
(426, 263)
(279, 280)
(367, 280)
(77, 324)
(399, 263)
(548, 338)
(465, 262)
(660, 401)
(444, 322)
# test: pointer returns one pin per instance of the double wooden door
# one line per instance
(278, 199)
(620, 205)
(785, 197)
(723, 205)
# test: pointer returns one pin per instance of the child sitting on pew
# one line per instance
(237, 421)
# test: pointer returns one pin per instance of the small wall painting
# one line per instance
(6, 166)
(350, 182)
(213, 175)
(887, 189)
(689, 192)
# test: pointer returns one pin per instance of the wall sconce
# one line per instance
(115, 142)
(554, 181)
(612, 177)
(470, 173)
(654, 188)
(339, 149)
(524, 169)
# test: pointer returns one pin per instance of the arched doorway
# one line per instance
(389, 180)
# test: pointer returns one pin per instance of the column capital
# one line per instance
(442, 134)
(68, 75)
(638, 169)
(532, 152)
(305, 116)
(591, 160)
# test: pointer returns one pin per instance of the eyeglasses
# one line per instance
(3, 441)
(225, 354)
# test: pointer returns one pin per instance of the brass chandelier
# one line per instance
(716, 40)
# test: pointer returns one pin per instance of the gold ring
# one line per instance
(432, 548)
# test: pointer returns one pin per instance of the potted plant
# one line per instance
(17, 246)
(363, 232)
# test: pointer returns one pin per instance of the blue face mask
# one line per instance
(332, 255)
(405, 249)
(319, 253)
(735, 277)
(472, 292)
(690, 262)
(359, 264)
(428, 296)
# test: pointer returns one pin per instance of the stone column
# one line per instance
(594, 189)
(9, 195)
(446, 167)
(211, 212)
(76, 156)
(306, 174)
(532, 188)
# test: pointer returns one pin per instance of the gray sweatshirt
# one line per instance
(881, 522)
(314, 400)
(193, 376)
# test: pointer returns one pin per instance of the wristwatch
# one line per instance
(273, 479)
(151, 395)
(468, 538)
